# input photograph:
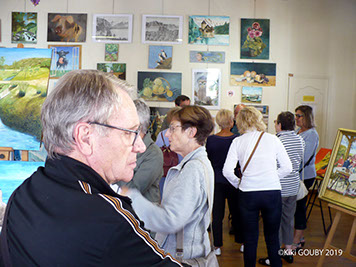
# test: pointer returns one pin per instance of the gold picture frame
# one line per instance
(339, 184)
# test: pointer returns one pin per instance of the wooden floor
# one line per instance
(314, 239)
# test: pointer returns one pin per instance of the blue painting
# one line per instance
(65, 58)
(251, 95)
(160, 57)
(13, 173)
(207, 57)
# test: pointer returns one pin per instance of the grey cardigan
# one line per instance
(184, 204)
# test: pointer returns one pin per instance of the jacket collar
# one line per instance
(200, 151)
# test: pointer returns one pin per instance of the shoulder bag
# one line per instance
(170, 158)
(303, 191)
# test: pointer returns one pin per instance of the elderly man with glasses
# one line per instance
(66, 214)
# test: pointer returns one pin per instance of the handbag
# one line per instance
(210, 260)
(303, 191)
(170, 158)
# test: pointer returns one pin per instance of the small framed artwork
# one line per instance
(161, 29)
(65, 58)
(206, 87)
(112, 28)
(160, 57)
(24, 27)
(209, 30)
(254, 39)
(65, 27)
(251, 95)
(118, 69)
(339, 184)
(206, 57)
(252, 74)
(111, 52)
(264, 109)
(159, 86)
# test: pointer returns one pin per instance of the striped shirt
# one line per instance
(294, 145)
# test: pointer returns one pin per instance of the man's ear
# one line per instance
(83, 138)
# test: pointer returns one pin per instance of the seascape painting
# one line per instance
(65, 58)
(159, 86)
(24, 27)
(206, 87)
(160, 57)
(209, 30)
(251, 95)
(118, 69)
(206, 57)
(111, 52)
(112, 28)
(24, 74)
(65, 27)
(252, 74)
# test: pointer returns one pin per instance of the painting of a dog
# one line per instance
(66, 27)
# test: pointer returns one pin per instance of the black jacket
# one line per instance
(65, 214)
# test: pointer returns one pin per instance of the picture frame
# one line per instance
(207, 57)
(118, 69)
(160, 57)
(339, 184)
(24, 27)
(67, 27)
(253, 74)
(111, 52)
(65, 58)
(206, 87)
(251, 95)
(112, 28)
(162, 29)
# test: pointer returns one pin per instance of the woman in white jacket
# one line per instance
(260, 188)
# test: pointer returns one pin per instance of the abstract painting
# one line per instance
(112, 28)
(118, 69)
(65, 27)
(24, 74)
(206, 87)
(254, 39)
(159, 86)
(206, 57)
(253, 74)
(24, 27)
(65, 58)
(111, 52)
(160, 57)
(251, 95)
(209, 30)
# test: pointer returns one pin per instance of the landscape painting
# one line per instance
(118, 69)
(111, 52)
(206, 87)
(65, 27)
(251, 95)
(339, 185)
(162, 29)
(253, 74)
(206, 57)
(65, 58)
(113, 28)
(24, 27)
(24, 74)
(159, 86)
(255, 39)
(160, 57)
(209, 30)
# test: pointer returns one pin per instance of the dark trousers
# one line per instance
(221, 193)
(300, 216)
(269, 203)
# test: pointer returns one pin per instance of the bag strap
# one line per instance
(308, 162)
(253, 152)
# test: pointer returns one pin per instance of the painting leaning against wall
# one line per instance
(24, 74)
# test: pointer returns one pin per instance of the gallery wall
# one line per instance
(311, 42)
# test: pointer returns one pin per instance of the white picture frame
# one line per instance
(206, 88)
(162, 29)
(112, 28)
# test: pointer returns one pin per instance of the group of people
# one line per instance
(97, 200)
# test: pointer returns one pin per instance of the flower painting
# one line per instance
(254, 39)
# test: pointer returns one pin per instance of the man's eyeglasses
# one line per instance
(299, 115)
(136, 132)
(173, 127)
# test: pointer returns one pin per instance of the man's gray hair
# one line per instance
(79, 96)
(143, 111)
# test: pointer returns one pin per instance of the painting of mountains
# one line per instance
(115, 28)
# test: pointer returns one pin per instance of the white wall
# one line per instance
(308, 37)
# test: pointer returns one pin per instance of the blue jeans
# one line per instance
(269, 203)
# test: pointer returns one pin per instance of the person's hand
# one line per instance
(124, 191)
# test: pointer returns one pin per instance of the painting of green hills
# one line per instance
(24, 74)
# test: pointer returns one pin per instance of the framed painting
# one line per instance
(252, 74)
(264, 109)
(112, 28)
(339, 184)
(206, 87)
(161, 29)
(251, 95)
(118, 69)
(206, 57)
(65, 58)
(24, 75)
(160, 57)
(111, 52)
(209, 30)
(159, 86)
(255, 39)
(24, 27)
(157, 115)
(66, 27)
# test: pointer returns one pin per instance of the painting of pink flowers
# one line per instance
(255, 39)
